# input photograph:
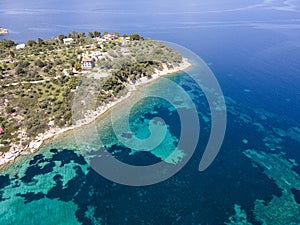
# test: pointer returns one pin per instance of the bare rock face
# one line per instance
(9, 155)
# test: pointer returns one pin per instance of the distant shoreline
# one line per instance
(40, 140)
(3, 31)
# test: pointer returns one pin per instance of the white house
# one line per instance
(68, 41)
(20, 46)
(111, 36)
(7, 61)
(87, 64)
(95, 53)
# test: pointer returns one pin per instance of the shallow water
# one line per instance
(254, 55)
(59, 176)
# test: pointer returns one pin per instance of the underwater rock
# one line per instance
(280, 210)
(245, 141)
(294, 133)
(283, 209)
(273, 142)
(239, 218)
(276, 168)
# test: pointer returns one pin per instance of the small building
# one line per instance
(1, 130)
(96, 53)
(7, 61)
(20, 46)
(99, 39)
(68, 41)
(87, 64)
(111, 37)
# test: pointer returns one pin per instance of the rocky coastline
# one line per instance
(34, 145)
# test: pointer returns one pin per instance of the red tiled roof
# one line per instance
(87, 60)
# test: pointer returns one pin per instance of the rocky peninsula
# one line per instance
(39, 80)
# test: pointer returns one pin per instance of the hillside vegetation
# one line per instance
(38, 81)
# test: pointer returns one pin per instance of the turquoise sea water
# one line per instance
(254, 55)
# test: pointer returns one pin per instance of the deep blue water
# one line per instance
(254, 54)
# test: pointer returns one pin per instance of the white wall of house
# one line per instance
(20, 46)
(68, 41)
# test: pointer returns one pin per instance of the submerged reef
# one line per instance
(240, 217)
(277, 168)
(280, 210)
(283, 209)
